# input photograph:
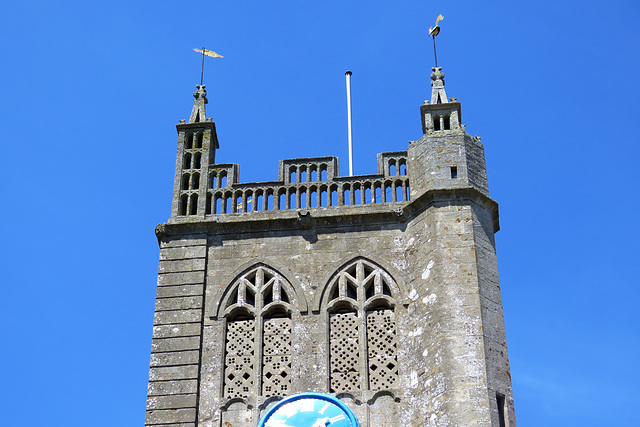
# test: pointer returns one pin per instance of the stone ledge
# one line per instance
(165, 416)
(183, 252)
(182, 265)
(177, 316)
(180, 291)
(164, 345)
(175, 279)
(167, 388)
(179, 330)
(178, 303)
(324, 219)
(172, 402)
(168, 373)
(175, 359)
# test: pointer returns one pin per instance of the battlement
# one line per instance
(303, 183)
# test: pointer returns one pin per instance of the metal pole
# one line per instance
(202, 68)
(350, 131)
(434, 50)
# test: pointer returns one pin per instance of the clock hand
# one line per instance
(321, 422)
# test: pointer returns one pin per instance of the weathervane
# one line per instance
(213, 55)
(433, 32)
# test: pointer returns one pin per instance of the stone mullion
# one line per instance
(244, 202)
(258, 343)
(276, 290)
(377, 282)
(361, 295)
(242, 293)
(342, 285)
(363, 353)
(318, 197)
(362, 326)
(234, 201)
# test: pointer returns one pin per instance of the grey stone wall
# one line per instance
(257, 289)
(176, 345)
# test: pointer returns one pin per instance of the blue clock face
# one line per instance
(309, 410)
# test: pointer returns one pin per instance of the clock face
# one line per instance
(309, 410)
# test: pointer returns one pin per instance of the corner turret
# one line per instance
(446, 157)
(197, 144)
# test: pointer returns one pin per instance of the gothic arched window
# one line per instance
(362, 328)
(258, 335)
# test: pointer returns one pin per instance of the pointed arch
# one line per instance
(259, 306)
(287, 292)
(360, 301)
(373, 276)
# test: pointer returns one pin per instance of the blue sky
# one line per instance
(90, 97)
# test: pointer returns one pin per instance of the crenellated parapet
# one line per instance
(303, 183)
(378, 290)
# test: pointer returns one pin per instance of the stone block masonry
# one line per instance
(381, 290)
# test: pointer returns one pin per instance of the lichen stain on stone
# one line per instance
(413, 295)
(427, 271)
(414, 379)
(429, 299)
(415, 333)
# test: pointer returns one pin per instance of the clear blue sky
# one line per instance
(91, 92)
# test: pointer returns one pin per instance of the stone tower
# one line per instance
(381, 290)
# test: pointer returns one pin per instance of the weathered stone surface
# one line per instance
(174, 425)
(172, 402)
(179, 291)
(175, 344)
(185, 252)
(179, 330)
(184, 240)
(174, 279)
(381, 289)
(176, 358)
(178, 303)
(177, 316)
(186, 372)
(170, 416)
(177, 266)
(163, 388)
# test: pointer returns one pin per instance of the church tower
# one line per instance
(377, 292)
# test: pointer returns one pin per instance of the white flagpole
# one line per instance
(350, 131)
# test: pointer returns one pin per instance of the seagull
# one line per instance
(434, 31)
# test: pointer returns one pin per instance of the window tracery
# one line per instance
(362, 329)
(258, 336)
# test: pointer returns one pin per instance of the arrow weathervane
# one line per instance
(211, 54)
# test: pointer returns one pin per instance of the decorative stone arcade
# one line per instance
(378, 290)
